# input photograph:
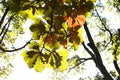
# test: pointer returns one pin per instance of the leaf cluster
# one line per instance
(56, 28)
(116, 44)
(39, 60)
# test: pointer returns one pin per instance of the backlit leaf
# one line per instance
(63, 66)
(39, 66)
(63, 53)
(34, 45)
(30, 58)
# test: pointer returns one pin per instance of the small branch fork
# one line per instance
(111, 35)
(105, 29)
(82, 60)
(104, 24)
(96, 55)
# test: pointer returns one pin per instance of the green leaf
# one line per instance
(89, 5)
(31, 53)
(34, 45)
(30, 57)
(58, 59)
(80, 35)
(36, 35)
(35, 27)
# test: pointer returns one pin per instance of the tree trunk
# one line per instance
(98, 59)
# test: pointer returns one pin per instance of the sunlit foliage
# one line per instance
(5, 65)
(116, 46)
(56, 29)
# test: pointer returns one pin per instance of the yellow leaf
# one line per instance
(63, 66)
(29, 60)
(63, 52)
(29, 13)
(39, 66)
(80, 35)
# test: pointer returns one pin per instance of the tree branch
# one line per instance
(119, 32)
(4, 29)
(104, 25)
(4, 15)
(5, 33)
(118, 8)
(98, 60)
(92, 55)
(116, 66)
(10, 18)
(5, 50)
(83, 60)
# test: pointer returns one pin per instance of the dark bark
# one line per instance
(116, 66)
(98, 59)
(5, 28)
(4, 15)
(5, 33)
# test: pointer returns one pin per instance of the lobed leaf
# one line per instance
(39, 66)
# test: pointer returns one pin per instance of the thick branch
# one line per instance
(118, 8)
(5, 50)
(119, 32)
(98, 59)
(4, 29)
(92, 55)
(4, 15)
(116, 66)
(5, 33)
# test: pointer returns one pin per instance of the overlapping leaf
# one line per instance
(57, 23)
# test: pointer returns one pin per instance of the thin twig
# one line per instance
(5, 50)
(105, 29)
(104, 24)
(80, 63)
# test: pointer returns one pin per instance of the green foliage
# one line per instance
(57, 25)
(116, 3)
(34, 45)
(6, 66)
(30, 57)
(38, 60)
(116, 46)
